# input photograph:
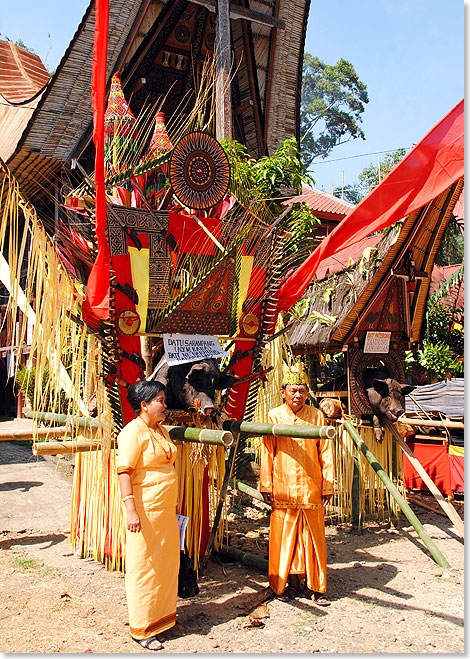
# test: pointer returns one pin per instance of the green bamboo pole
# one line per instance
(246, 558)
(309, 432)
(81, 421)
(246, 489)
(177, 433)
(414, 521)
(202, 435)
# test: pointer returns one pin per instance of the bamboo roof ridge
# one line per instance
(336, 304)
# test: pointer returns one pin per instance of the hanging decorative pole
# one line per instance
(223, 97)
(409, 514)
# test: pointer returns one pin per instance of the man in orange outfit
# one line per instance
(296, 478)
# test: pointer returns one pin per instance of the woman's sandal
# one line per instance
(147, 642)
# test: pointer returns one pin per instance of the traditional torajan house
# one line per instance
(186, 60)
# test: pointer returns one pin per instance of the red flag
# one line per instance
(98, 281)
(431, 167)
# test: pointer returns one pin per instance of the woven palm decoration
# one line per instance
(120, 129)
(160, 144)
(199, 171)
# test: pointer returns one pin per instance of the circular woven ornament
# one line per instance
(128, 322)
(199, 171)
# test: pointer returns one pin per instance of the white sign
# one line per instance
(184, 348)
(182, 523)
(377, 342)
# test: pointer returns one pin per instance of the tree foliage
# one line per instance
(451, 249)
(332, 102)
(371, 176)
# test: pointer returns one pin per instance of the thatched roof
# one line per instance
(344, 305)
(141, 35)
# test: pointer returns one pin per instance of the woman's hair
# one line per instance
(143, 392)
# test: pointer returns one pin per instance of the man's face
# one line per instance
(295, 395)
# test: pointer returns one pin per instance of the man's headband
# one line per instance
(295, 377)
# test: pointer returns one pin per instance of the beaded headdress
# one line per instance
(296, 374)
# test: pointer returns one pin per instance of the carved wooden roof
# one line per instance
(157, 45)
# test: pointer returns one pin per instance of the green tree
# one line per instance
(451, 249)
(370, 176)
(331, 104)
(351, 192)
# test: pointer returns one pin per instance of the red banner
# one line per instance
(98, 281)
(431, 167)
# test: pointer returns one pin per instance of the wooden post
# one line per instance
(223, 64)
(356, 494)
(414, 521)
(223, 492)
(446, 506)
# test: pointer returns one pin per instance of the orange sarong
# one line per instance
(297, 472)
(153, 554)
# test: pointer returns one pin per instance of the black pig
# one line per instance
(186, 383)
(386, 397)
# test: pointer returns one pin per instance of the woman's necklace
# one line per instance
(154, 435)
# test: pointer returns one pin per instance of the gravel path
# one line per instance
(387, 594)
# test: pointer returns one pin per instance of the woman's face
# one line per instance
(155, 409)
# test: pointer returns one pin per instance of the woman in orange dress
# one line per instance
(148, 484)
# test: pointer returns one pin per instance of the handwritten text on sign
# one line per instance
(184, 348)
(377, 342)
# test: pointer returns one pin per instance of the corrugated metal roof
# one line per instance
(322, 203)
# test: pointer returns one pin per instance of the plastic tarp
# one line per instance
(431, 167)
(446, 397)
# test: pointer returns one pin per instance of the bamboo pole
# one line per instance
(18, 435)
(246, 489)
(246, 558)
(447, 507)
(308, 432)
(414, 521)
(62, 448)
(201, 435)
(177, 433)
(432, 424)
(81, 421)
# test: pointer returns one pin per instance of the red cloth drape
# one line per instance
(98, 281)
(431, 167)
(457, 471)
(189, 236)
(435, 460)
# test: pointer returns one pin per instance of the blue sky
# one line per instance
(410, 54)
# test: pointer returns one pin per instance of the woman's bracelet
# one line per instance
(129, 496)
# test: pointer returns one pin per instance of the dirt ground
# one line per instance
(387, 594)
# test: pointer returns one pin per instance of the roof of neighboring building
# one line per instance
(440, 274)
(322, 204)
(22, 79)
(22, 74)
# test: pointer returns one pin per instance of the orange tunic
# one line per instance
(297, 472)
(152, 555)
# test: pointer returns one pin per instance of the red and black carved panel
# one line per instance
(209, 307)
(199, 171)
(359, 361)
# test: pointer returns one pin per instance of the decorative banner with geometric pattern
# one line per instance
(210, 308)
(199, 171)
